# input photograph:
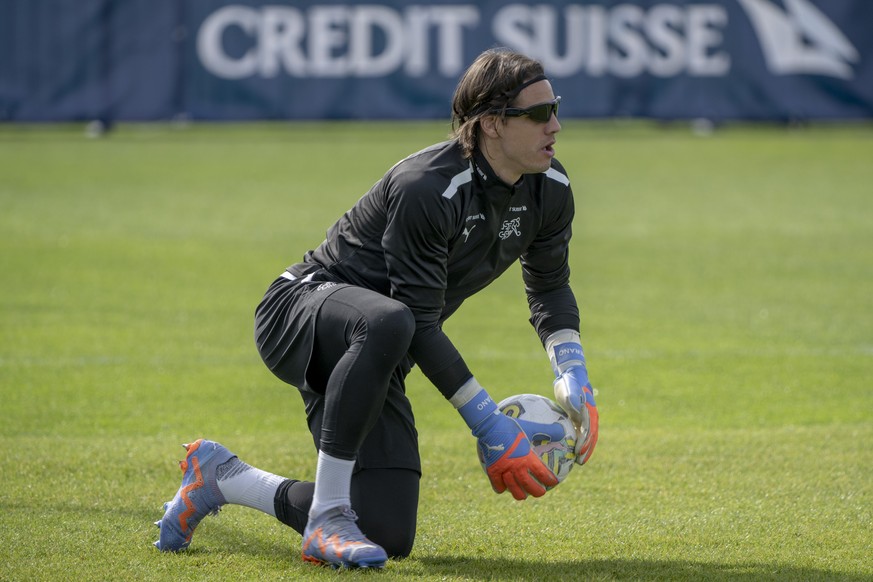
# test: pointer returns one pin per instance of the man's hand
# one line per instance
(504, 448)
(509, 461)
(574, 393)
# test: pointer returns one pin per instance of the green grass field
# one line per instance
(726, 286)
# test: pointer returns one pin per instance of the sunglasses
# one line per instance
(541, 113)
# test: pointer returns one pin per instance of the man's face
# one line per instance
(525, 146)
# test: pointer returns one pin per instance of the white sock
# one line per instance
(243, 484)
(333, 480)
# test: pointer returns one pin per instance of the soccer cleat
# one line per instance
(197, 497)
(333, 539)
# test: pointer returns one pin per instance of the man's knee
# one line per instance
(399, 545)
(393, 325)
(386, 501)
(395, 537)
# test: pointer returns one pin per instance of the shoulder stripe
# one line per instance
(557, 176)
(458, 181)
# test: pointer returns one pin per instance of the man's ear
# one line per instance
(490, 125)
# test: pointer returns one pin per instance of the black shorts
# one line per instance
(300, 348)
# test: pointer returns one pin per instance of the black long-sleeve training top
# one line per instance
(437, 228)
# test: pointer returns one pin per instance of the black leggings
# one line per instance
(345, 348)
(361, 337)
(386, 501)
(350, 344)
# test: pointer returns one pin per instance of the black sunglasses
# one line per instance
(541, 113)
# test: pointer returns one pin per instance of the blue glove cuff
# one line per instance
(564, 349)
(569, 354)
(480, 407)
(473, 403)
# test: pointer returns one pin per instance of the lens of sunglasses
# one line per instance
(543, 113)
(540, 113)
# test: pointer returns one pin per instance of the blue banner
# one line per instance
(250, 60)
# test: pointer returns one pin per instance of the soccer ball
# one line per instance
(552, 435)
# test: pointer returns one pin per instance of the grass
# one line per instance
(725, 284)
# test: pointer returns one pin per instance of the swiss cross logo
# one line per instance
(509, 228)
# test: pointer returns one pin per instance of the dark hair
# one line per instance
(491, 83)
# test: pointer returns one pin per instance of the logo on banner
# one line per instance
(624, 40)
(800, 39)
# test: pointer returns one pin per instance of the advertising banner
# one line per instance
(247, 60)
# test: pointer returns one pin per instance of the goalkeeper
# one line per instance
(347, 323)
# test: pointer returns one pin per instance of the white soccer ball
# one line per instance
(552, 435)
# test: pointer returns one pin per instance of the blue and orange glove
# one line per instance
(573, 389)
(504, 449)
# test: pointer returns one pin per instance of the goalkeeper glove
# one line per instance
(505, 450)
(573, 390)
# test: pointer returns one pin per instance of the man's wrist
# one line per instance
(564, 349)
(473, 403)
